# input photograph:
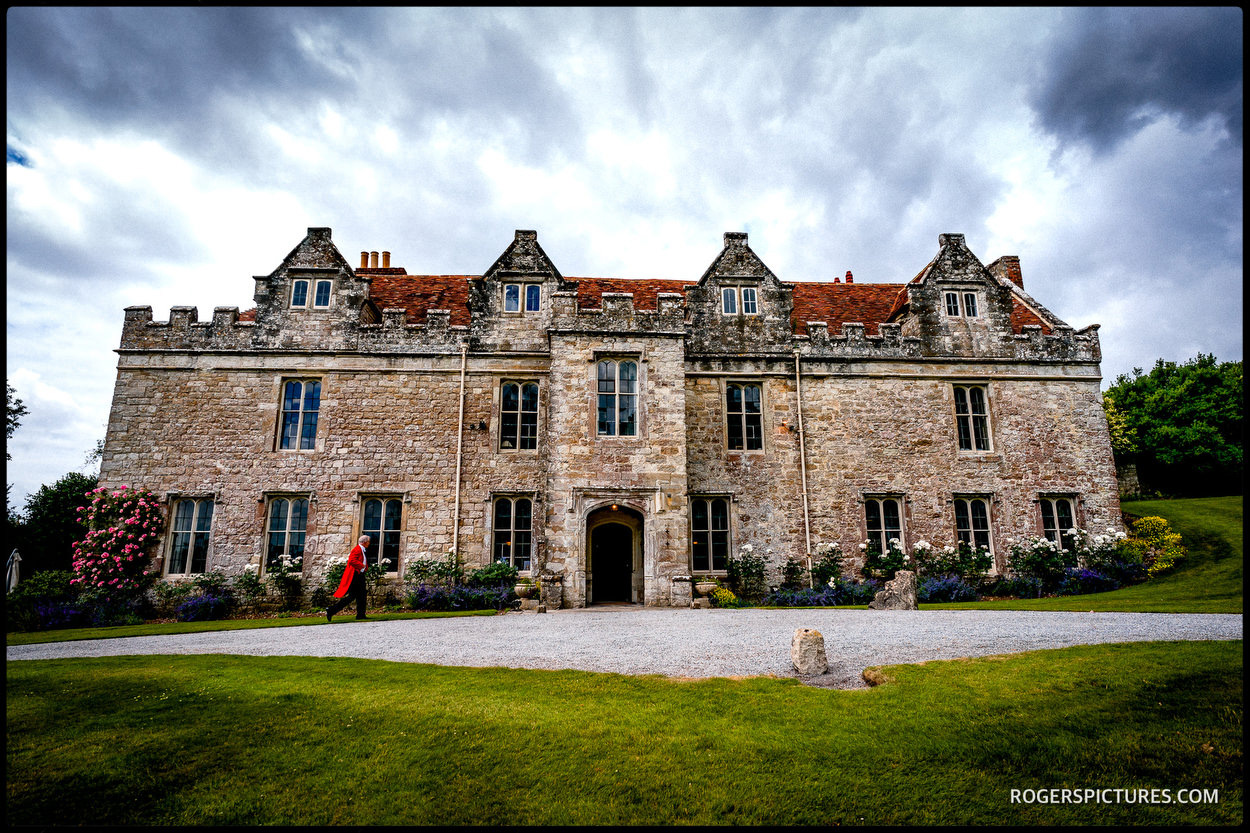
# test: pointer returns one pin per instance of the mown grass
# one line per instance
(163, 628)
(195, 740)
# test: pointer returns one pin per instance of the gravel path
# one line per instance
(676, 643)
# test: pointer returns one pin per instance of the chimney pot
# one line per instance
(836, 279)
(373, 260)
(386, 260)
(849, 277)
(735, 237)
(364, 260)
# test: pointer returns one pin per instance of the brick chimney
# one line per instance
(386, 260)
(373, 260)
(364, 260)
(1008, 266)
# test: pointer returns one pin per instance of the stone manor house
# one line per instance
(613, 437)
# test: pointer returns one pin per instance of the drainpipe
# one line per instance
(807, 529)
(455, 521)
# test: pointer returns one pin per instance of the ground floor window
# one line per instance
(1057, 519)
(190, 536)
(288, 523)
(380, 520)
(883, 517)
(972, 521)
(709, 534)
(512, 531)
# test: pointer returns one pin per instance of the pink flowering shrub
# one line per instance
(112, 562)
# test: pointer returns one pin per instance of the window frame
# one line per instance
(737, 293)
(972, 530)
(742, 416)
(377, 542)
(522, 297)
(192, 532)
(710, 545)
(287, 531)
(1051, 500)
(295, 286)
(316, 287)
(302, 413)
(513, 499)
(959, 300)
(518, 435)
(972, 419)
(881, 535)
(617, 361)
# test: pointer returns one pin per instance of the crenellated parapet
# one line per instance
(617, 314)
(1063, 343)
(395, 335)
(853, 342)
(184, 330)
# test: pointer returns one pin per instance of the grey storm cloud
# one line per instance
(1113, 70)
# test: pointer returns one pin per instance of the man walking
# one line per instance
(352, 583)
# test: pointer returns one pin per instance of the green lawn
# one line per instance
(213, 740)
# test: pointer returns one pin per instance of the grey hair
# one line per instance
(363, 538)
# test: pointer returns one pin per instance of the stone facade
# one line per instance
(858, 385)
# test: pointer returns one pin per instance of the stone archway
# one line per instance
(614, 556)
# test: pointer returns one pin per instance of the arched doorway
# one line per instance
(614, 547)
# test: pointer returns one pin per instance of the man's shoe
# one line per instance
(328, 619)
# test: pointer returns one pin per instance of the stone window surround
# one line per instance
(281, 395)
(985, 453)
(1074, 502)
(171, 500)
(535, 507)
(730, 504)
(266, 500)
(311, 288)
(960, 297)
(362, 498)
(904, 507)
(764, 411)
(991, 500)
(497, 408)
(737, 290)
(639, 358)
(523, 293)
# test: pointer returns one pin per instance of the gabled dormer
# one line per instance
(957, 306)
(312, 300)
(739, 305)
(511, 303)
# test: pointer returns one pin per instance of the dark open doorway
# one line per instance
(612, 562)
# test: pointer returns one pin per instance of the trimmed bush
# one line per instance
(205, 608)
(436, 597)
(498, 574)
(1078, 582)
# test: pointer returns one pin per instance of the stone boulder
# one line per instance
(899, 593)
(807, 653)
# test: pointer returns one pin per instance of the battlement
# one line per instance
(617, 314)
(1063, 343)
(184, 330)
(854, 342)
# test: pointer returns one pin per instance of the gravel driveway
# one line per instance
(677, 643)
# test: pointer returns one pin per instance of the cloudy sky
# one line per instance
(164, 157)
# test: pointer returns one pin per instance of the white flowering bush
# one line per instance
(286, 577)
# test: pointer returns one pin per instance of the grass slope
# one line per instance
(197, 740)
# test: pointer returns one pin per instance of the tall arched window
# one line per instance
(288, 523)
(512, 532)
(744, 417)
(709, 534)
(381, 523)
(191, 530)
(518, 415)
(301, 402)
(618, 397)
(883, 518)
(972, 521)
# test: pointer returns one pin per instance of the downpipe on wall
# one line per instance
(807, 529)
(455, 521)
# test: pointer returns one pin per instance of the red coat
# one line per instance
(355, 564)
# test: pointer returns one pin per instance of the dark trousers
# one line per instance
(357, 590)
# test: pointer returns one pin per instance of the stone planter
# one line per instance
(524, 591)
(705, 588)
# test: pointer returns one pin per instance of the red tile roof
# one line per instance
(869, 304)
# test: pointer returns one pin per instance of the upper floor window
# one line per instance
(883, 518)
(299, 293)
(288, 523)
(1057, 519)
(518, 296)
(322, 298)
(618, 397)
(301, 401)
(730, 296)
(380, 521)
(518, 415)
(961, 303)
(512, 531)
(972, 417)
(709, 534)
(744, 417)
(972, 521)
(190, 533)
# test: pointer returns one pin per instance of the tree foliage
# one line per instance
(14, 410)
(1186, 421)
(51, 527)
